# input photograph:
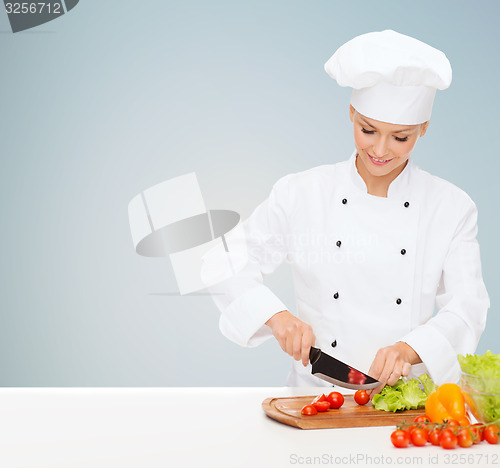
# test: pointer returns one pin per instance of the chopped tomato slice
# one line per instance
(322, 405)
(309, 410)
(321, 397)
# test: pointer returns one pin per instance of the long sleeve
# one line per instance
(244, 301)
(462, 302)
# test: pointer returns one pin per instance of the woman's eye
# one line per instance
(401, 139)
(364, 130)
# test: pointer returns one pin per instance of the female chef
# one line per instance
(374, 242)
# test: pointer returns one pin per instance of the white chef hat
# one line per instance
(394, 76)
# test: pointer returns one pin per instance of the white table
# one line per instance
(191, 427)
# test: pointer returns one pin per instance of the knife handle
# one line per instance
(314, 355)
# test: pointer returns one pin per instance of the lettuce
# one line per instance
(429, 385)
(484, 377)
(485, 366)
(404, 394)
(389, 402)
(412, 394)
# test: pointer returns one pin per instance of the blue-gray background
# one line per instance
(117, 96)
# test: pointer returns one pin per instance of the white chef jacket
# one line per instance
(367, 270)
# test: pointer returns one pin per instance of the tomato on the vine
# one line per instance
(491, 433)
(434, 436)
(336, 400)
(400, 438)
(422, 419)
(447, 439)
(419, 437)
(309, 410)
(464, 437)
(411, 427)
(477, 431)
(361, 397)
(322, 405)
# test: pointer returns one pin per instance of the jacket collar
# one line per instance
(399, 187)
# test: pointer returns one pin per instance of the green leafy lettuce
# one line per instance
(429, 385)
(484, 377)
(485, 366)
(404, 394)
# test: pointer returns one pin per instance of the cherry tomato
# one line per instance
(361, 397)
(452, 422)
(464, 437)
(464, 422)
(400, 438)
(491, 433)
(322, 405)
(434, 436)
(410, 428)
(336, 400)
(321, 397)
(422, 419)
(309, 410)
(447, 439)
(477, 432)
(419, 437)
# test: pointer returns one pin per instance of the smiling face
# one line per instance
(383, 148)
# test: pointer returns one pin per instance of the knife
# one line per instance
(339, 373)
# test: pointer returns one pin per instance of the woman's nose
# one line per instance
(380, 147)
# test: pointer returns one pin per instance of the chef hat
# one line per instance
(394, 76)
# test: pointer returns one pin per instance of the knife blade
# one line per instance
(339, 373)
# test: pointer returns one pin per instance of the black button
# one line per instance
(344, 201)
(339, 243)
(336, 295)
(334, 343)
(407, 204)
(398, 301)
(403, 251)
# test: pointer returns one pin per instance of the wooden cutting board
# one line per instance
(288, 411)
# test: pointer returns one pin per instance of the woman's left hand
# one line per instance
(391, 363)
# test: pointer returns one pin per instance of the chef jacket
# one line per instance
(367, 270)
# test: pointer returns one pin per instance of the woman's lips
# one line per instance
(379, 162)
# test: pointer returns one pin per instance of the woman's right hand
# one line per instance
(294, 336)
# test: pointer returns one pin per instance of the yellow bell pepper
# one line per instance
(445, 403)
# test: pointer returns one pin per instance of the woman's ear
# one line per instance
(423, 129)
(352, 111)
